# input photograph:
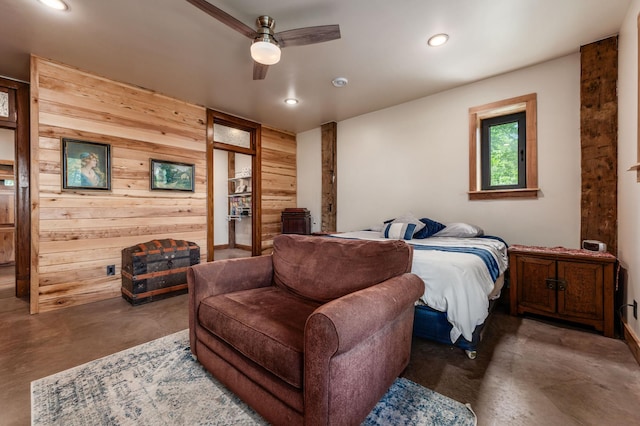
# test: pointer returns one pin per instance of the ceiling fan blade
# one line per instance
(224, 17)
(259, 70)
(308, 35)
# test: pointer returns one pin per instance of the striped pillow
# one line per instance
(399, 231)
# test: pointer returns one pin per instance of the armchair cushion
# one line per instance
(315, 268)
(266, 325)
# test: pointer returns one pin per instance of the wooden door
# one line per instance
(580, 290)
(7, 225)
(536, 284)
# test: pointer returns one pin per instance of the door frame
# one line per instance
(19, 120)
(255, 152)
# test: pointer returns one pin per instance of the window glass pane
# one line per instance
(4, 104)
(231, 136)
(504, 154)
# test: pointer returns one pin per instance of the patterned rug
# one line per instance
(159, 383)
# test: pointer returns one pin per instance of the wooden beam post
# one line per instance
(599, 142)
(329, 177)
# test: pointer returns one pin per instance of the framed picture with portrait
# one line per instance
(86, 165)
(169, 175)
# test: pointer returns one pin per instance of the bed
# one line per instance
(463, 273)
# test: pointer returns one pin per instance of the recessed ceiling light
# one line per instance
(339, 82)
(55, 4)
(290, 101)
(438, 40)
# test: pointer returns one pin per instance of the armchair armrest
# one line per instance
(379, 319)
(350, 319)
(224, 276)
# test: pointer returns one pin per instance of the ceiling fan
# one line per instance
(266, 46)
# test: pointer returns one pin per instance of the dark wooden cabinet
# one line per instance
(573, 285)
(296, 221)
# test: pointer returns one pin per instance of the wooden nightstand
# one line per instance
(569, 284)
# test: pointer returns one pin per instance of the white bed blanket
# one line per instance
(457, 283)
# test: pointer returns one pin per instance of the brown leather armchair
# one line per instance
(314, 333)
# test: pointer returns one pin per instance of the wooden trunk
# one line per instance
(157, 269)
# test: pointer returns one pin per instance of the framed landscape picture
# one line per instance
(86, 165)
(169, 175)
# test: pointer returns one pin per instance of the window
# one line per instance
(231, 135)
(502, 145)
(503, 149)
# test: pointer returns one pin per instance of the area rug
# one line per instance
(160, 383)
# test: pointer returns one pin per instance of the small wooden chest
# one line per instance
(296, 221)
(157, 269)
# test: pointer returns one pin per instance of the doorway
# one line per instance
(7, 211)
(233, 152)
(16, 220)
(232, 205)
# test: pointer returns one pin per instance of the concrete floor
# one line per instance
(35, 346)
(535, 372)
(233, 253)
(527, 372)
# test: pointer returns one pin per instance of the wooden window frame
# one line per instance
(526, 103)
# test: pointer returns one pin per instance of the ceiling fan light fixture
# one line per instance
(438, 40)
(55, 4)
(265, 51)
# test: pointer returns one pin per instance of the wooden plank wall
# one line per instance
(76, 234)
(279, 176)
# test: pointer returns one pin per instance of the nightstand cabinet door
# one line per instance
(535, 290)
(580, 290)
(568, 284)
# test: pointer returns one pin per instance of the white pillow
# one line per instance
(379, 227)
(460, 230)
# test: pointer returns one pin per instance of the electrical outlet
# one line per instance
(111, 269)
(635, 309)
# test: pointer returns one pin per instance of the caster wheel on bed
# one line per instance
(471, 354)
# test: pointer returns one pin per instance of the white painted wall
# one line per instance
(628, 187)
(309, 169)
(414, 158)
(220, 191)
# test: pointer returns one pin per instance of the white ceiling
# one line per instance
(172, 47)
